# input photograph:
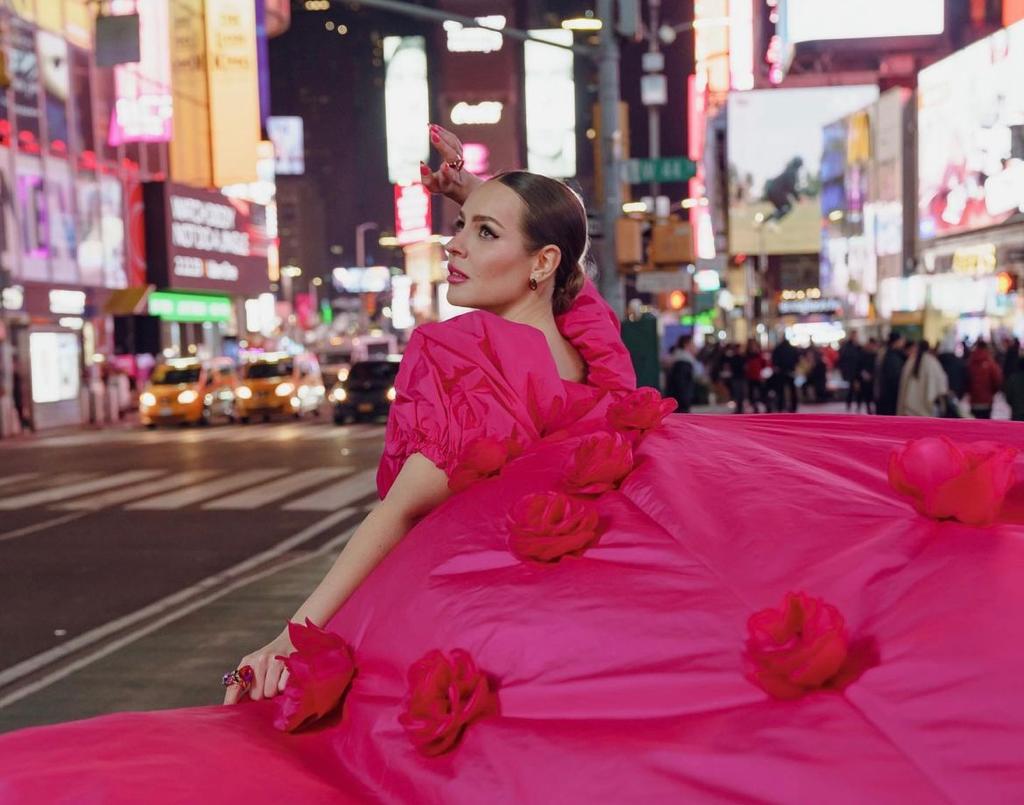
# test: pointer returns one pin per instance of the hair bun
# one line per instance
(567, 288)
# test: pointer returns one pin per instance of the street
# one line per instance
(104, 534)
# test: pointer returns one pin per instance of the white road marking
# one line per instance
(58, 492)
(281, 488)
(119, 496)
(10, 480)
(196, 494)
(337, 495)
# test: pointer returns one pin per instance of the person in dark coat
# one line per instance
(866, 376)
(785, 357)
(683, 373)
(984, 380)
(890, 370)
(1013, 388)
(849, 367)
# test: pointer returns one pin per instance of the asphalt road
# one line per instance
(102, 530)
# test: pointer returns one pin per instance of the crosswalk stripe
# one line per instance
(17, 478)
(58, 492)
(119, 496)
(337, 496)
(197, 494)
(281, 488)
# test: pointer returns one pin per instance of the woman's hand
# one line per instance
(450, 182)
(270, 674)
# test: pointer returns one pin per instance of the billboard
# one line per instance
(289, 149)
(550, 105)
(143, 108)
(814, 20)
(234, 97)
(775, 150)
(203, 240)
(406, 107)
(190, 145)
(971, 136)
(412, 213)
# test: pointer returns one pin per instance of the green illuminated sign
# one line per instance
(189, 307)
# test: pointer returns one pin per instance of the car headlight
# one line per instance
(188, 396)
(339, 395)
(208, 399)
(284, 389)
(342, 375)
(392, 394)
(147, 400)
(243, 393)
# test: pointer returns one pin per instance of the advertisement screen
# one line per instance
(54, 361)
(63, 229)
(412, 213)
(190, 145)
(8, 221)
(289, 154)
(56, 76)
(550, 105)
(406, 106)
(971, 142)
(112, 224)
(775, 153)
(90, 231)
(204, 240)
(24, 74)
(142, 111)
(812, 20)
(33, 218)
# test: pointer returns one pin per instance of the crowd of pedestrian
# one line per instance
(894, 377)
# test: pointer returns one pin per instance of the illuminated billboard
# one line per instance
(971, 136)
(775, 149)
(814, 20)
(190, 146)
(406, 107)
(143, 108)
(412, 213)
(550, 105)
(289, 154)
(233, 77)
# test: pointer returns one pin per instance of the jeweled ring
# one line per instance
(243, 677)
(456, 164)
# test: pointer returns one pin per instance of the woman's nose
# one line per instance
(454, 246)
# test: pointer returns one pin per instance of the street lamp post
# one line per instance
(361, 231)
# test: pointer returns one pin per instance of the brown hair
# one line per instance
(554, 216)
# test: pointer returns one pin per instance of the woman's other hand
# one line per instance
(270, 675)
(451, 179)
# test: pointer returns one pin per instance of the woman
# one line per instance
(550, 602)
(923, 384)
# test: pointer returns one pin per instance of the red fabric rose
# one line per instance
(549, 525)
(319, 672)
(481, 458)
(600, 463)
(796, 649)
(445, 696)
(642, 409)
(948, 481)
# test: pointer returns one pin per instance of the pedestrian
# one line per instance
(754, 369)
(683, 373)
(866, 376)
(984, 380)
(1013, 388)
(924, 387)
(955, 367)
(849, 367)
(21, 406)
(785, 358)
(889, 373)
(737, 361)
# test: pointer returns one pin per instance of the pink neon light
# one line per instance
(143, 108)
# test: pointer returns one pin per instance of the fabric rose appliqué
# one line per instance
(948, 481)
(482, 458)
(643, 409)
(319, 672)
(600, 464)
(547, 526)
(446, 695)
(795, 649)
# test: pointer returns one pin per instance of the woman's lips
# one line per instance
(455, 276)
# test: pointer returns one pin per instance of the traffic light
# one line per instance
(677, 300)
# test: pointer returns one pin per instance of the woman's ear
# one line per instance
(546, 263)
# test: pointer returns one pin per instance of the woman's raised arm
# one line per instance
(451, 179)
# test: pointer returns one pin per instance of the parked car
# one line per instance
(279, 383)
(367, 392)
(189, 391)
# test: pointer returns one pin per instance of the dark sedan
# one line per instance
(367, 392)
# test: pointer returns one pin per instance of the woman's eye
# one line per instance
(459, 225)
(486, 231)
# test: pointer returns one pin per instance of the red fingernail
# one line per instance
(434, 137)
(424, 170)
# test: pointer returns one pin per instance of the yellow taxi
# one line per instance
(279, 383)
(189, 391)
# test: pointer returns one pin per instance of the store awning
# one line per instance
(127, 301)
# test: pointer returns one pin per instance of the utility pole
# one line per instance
(654, 65)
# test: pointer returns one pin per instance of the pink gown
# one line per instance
(620, 672)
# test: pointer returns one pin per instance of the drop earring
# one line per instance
(533, 284)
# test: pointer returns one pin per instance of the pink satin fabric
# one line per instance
(620, 672)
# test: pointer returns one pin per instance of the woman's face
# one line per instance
(488, 265)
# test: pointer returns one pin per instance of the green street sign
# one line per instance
(661, 170)
(189, 307)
